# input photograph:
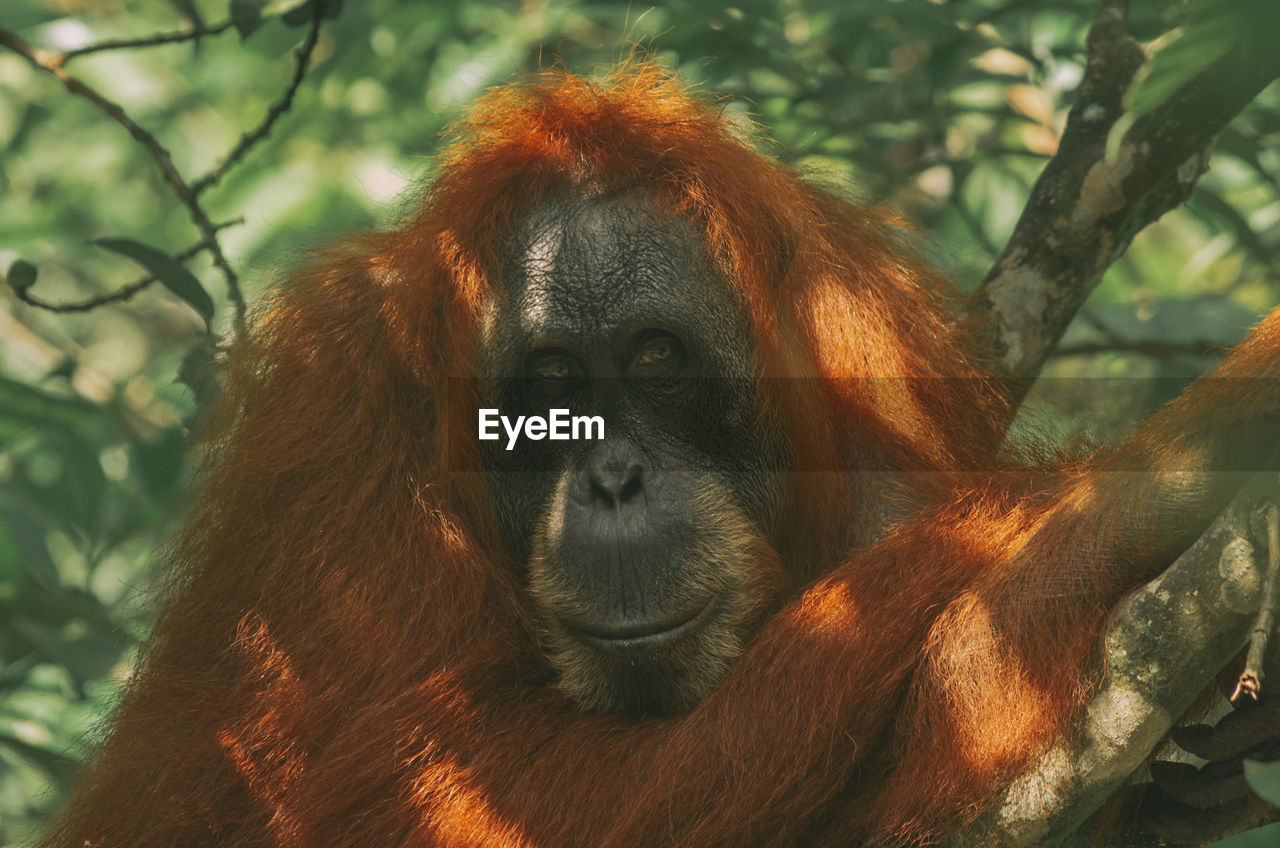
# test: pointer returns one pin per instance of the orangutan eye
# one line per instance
(553, 366)
(657, 352)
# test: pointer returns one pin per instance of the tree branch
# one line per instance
(1153, 348)
(194, 34)
(1250, 682)
(1163, 645)
(50, 63)
(124, 292)
(302, 58)
(1087, 205)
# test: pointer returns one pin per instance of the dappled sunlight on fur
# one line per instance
(265, 749)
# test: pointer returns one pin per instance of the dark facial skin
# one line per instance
(648, 554)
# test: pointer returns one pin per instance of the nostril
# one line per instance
(615, 482)
(633, 484)
(601, 488)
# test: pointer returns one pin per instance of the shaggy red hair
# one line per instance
(346, 657)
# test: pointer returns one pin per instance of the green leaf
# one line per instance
(1264, 779)
(247, 16)
(199, 372)
(22, 275)
(1212, 30)
(29, 405)
(77, 495)
(27, 532)
(1181, 61)
(87, 657)
(159, 461)
(59, 768)
(1263, 837)
(171, 273)
(187, 8)
(299, 14)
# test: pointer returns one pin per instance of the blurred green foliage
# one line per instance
(947, 110)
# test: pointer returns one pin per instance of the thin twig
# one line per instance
(125, 292)
(194, 34)
(1093, 319)
(302, 59)
(48, 62)
(51, 63)
(1154, 349)
(1250, 682)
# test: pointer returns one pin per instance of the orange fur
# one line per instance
(346, 657)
